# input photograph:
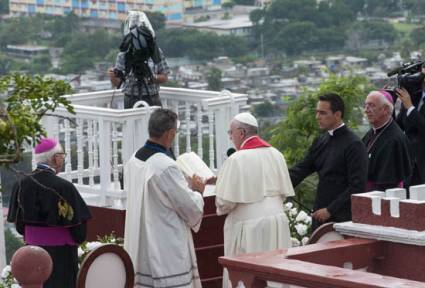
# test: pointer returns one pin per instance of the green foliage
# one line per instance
(244, 2)
(244, 59)
(5, 64)
(201, 45)
(41, 64)
(303, 37)
(418, 36)
(4, 6)
(256, 15)
(266, 109)
(415, 7)
(63, 28)
(12, 244)
(172, 83)
(13, 31)
(214, 79)
(228, 5)
(26, 100)
(375, 30)
(202, 19)
(294, 27)
(406, 47)
(83, 50)
(157, 20)
(87, 247)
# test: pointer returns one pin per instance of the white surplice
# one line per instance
(251, 187)
(161, 211)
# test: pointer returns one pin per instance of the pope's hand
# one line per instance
(322, 215)
(197, 184)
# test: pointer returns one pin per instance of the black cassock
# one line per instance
(34, 203)
(389, 157)
(341, 162)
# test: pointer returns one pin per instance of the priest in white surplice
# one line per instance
(161, 211)
(251, 187)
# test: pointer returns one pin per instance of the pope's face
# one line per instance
(236, 134)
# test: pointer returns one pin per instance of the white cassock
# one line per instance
(251, 187)
(161, 211)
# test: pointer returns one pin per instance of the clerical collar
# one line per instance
(254, 142)
(331, 132)
(156, 147)
(377, 130)
(42, 166)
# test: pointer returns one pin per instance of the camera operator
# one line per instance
(134, 87)
(412, 120)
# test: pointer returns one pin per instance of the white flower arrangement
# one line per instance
(86, 247)
(299, 224)
(7, 280)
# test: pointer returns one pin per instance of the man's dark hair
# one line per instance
(161, 121)
(336, 102)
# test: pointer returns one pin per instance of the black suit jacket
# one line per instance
(414, 127)
(341, 162)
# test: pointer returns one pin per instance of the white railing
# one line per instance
(99, 138)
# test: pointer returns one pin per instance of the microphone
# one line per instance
(230, 151)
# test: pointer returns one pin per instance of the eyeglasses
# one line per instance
(61, 153)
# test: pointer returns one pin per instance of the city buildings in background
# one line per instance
(114, 10)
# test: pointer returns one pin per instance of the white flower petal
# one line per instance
(295, 242)
(288, 205)
(301, 217)
(93, 245)
(301, 229)
(6, 271)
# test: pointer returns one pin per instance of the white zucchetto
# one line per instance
(246, 118)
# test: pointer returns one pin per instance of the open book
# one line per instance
(190, 163)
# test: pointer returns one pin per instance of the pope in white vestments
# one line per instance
(161, 211)
(251, 187)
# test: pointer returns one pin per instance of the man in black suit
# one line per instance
(412, 120)
(340, 159)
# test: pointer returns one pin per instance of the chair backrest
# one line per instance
(108, 266)
(325, 233)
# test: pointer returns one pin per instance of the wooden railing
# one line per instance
(345, 263)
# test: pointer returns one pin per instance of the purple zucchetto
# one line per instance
(387, 95)
(45, 145)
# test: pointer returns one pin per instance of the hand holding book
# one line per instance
(197, 184)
